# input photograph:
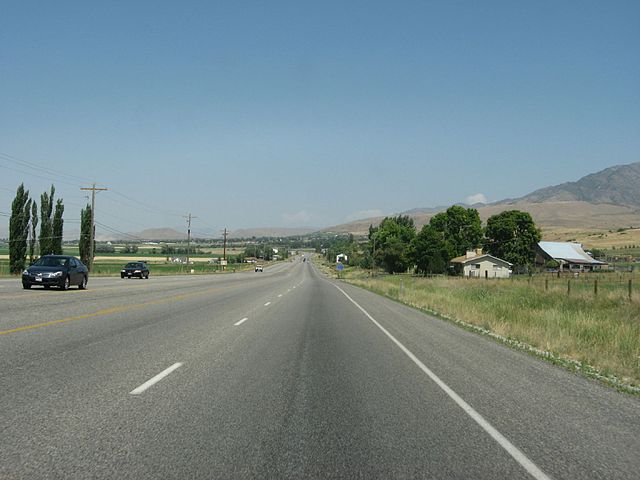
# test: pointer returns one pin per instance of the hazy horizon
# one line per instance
(293, 114)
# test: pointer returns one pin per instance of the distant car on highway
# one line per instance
(135, 269)
(258, 268)
(56, 271)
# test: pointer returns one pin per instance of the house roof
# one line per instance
(464, 260)
(571, 252)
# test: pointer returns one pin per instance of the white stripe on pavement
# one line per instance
(267, 304)
(511, 449)
(241, 321)
(154, 380)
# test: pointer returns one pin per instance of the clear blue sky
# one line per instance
(311, 113)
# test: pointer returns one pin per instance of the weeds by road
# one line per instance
(598, 335)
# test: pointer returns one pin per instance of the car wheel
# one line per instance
(121, 276)
(66, 283)
(47, 287)
(26, 286)
(147, 276)
(83, 283)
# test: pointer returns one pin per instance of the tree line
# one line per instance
(24, 241)
(396, 246)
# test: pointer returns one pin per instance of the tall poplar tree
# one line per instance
(85, 235)
(46, 227)
(19, 230)
(57, 227)
(32, 236)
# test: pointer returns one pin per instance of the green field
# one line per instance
(569, 325)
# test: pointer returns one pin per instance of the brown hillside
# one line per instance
(558, 220)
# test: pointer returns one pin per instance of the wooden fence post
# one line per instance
(568, 287)
(630, 288)
(595, 288)
(546, 284)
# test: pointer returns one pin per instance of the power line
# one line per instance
(50, 171)
(148, 207)
(48, 179)
(114, 230)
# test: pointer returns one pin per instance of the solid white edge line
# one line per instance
(280, 296)
(511, 449)
(241, 321)
(267, 304)
(154, 380)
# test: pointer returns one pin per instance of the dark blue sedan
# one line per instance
(56, 271)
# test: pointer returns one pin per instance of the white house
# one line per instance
(479, 265)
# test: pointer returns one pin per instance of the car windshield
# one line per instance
(51, 262)
(134, 265)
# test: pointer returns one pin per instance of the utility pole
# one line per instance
(224, 248)
(188, 217)
(92, 234)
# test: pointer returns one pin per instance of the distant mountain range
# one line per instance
(150, 234)
(271, 232)
(171, 234)
(605, 200)
(609, 199)
(619, 185)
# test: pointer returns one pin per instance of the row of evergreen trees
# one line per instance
(23, 238)
(23, 225)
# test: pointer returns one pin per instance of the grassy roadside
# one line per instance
(598, 336)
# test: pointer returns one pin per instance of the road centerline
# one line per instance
(154, 380)
(111, 310)
(241, 321)
(511, 449)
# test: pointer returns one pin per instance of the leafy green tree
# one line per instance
(252, 250)
(167, 249)
(461, 228)
(392, 240)
(19, 230)
(130, 249)
(46, 226)
(430, 251)
(57, 227)
(512, 235)
(85, 235)
(32, 235)
(104, 248)
(343, 245)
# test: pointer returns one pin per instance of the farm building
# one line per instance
(570, 257)
(479, 265)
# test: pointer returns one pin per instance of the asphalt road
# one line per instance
(284, 374)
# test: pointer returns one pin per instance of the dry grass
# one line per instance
(603, 332)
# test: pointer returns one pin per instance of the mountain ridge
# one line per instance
(603, 200)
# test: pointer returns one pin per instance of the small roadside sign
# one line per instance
(340, 267)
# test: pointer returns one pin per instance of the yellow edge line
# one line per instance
(106, 311)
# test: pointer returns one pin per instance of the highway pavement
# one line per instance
(284, 374)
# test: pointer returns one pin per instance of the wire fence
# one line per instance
(611, 285)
